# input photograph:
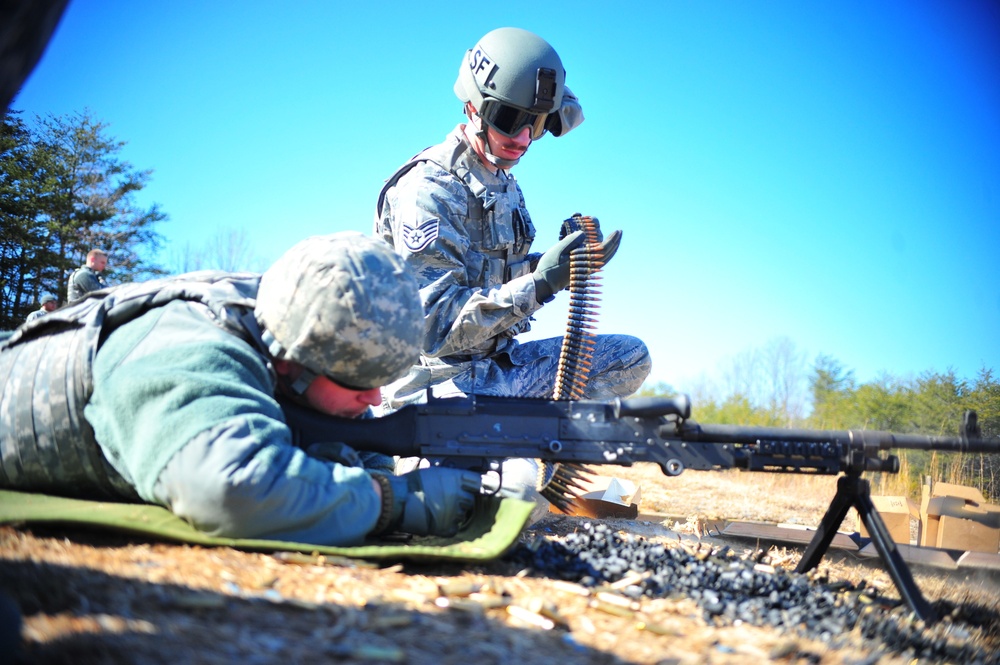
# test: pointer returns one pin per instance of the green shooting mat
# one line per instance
(494, 527)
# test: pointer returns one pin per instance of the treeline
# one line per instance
(64, 190)
(830, 397)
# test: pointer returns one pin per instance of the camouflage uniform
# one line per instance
(466, 232)
(37, 314)
(163, 391)
(83, 280)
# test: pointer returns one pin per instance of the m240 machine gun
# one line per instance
(567, 435)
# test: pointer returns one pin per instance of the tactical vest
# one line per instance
(73, 290)
(46, 379)
(499, 227)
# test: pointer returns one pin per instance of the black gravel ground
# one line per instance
(730, 588)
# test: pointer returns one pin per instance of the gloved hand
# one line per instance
(427, 502)
(552, 273)
(610, 246)
(335, 451)
(517, 478)
(573, 223)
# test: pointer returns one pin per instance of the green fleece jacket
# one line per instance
(185, 411)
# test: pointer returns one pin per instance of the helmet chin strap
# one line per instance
(498, 162)
(298, 387)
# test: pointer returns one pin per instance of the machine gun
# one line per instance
(477, 431)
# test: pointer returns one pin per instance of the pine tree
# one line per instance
(64, 190)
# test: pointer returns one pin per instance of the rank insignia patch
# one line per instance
(418, 237)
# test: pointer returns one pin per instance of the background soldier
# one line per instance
(48, 304)
(87, 277)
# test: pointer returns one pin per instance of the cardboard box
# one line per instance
(957, 517)
(896, 512)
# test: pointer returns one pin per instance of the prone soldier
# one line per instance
(164, 392)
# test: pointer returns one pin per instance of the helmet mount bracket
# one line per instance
(545, 90)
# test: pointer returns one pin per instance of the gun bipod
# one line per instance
(853, 491)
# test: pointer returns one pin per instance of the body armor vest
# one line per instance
(74, 291)
(499, 227)
(46, 380)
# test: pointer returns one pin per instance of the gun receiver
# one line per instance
(469, 432)
(476, 431)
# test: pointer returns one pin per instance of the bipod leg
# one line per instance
(889, 553)
(843, 500)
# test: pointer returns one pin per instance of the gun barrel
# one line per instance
(953, 444)
(868, 439)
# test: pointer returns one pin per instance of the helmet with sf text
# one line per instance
(514, 79)
(344, 306)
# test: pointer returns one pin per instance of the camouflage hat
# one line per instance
(344, 306)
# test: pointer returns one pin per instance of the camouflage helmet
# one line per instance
(343, 306)
(514, 79)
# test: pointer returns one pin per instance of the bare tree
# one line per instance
(232, 252)
(741, 375)
(785, 368)
(228, 250)
(772, 377)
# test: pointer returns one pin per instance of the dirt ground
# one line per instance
(89, 597)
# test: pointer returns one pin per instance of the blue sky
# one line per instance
(827, 173)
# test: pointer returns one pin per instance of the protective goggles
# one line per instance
(510, 120)
(307, 376)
